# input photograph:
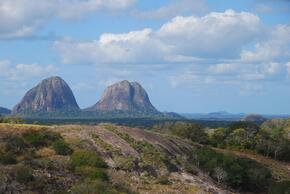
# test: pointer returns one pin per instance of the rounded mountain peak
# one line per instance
(52, 94)
(124, 96)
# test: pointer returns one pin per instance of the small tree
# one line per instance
(220, 174)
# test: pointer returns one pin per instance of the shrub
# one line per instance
(280, 188)
(92, 173)
(24, 175)
(217, 137)
(163, 180)
(62, 148)
(92, 187)
(15, 144)
(122, 187)
(13, 120)
(41, 138)
(7, 158)
(87, 158)
(190, 131)
(98, 173)
(125, 163)
(241, 173)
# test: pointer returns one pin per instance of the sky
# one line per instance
(191, 56)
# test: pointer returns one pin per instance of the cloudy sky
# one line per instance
(190, 55)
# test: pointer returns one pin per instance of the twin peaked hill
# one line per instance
(53, 95)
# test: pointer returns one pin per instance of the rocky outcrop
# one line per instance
(124, 96)
(254, 118)
(52, 94)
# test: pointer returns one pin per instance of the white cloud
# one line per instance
(205, 50)
(20, 18)
(24, 71)
(223, 68)
(240, 75)
(175, 7)
(183, 38)
(131, 47)
(213, 35)
(275, 47)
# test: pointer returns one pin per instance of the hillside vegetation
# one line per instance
(173, 158)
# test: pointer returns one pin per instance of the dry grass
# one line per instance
(5, 127)
(45, 152)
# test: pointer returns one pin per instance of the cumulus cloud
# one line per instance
(182, 38)
(20, 18)
(24, 71)
(213, 35)
(218, 48)
(275, 47)
(238, 74)
(129, 47)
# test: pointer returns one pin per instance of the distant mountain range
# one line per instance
(226, 116)
(4, 111)
(54, 98)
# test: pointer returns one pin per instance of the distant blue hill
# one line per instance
(5, 111)
(226, 116)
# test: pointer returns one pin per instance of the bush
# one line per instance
(7, 158)
(163, 180)
(92, 173)
(98, 173)
(190, 131)
(24, 175)
(92, 187)
(62, 148)
(87, 158)
(15, 144)
(41, 138)
(241, 173)
(12, 120)
(280, 188)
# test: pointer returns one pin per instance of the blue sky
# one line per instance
(190, 55)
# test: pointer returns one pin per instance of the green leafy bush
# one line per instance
(92, 173)
(62, 148)
(41, 138)
(190, 131)
(87, 158)
(24, 174)
(7, 158)
(239, 173)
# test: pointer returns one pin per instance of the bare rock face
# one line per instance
(124, 96)
(52, 94)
